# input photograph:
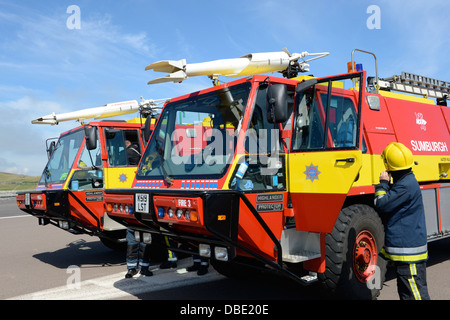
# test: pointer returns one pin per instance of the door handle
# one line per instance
(350, 160)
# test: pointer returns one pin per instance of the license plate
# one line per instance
(142, 202)
(27, 199)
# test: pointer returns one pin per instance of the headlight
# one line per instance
(170, 212)
(179, 213)
(221, 253)
(204, 250)
(147, 237)
(187, 215)
(63, 224)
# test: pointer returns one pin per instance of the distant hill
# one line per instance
(11, 181)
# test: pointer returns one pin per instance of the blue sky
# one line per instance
(46, 67)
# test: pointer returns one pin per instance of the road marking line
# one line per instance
(116, 286)
(11, 217)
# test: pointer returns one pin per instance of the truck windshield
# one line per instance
(196, 136)
(62, 158)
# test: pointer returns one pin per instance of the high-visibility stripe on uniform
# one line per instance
(409, 251)
(405, 258)
(170, 255)
(380, 193)
(412, 282)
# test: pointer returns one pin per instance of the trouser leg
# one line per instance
(412, 281)
(132, 251)
(200, 265)
(144, 255)
(171, 256)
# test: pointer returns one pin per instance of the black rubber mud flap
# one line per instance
(221, 214)
(58, 203)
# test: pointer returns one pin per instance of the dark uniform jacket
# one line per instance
(133, 154)
(401, 203)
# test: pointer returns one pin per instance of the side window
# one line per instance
(263, 168)
(325, 118)
(123, 147)
(133, 147)
(90, 158)
(262, 137)
(341, 121)
(309, 124)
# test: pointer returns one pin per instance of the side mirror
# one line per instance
(305, 85)
(51, 148)
(277, 103)
(147, 129)
(91, 137)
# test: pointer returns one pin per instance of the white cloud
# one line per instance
(23, 144)
(41, 46)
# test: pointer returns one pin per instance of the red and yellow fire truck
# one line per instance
(279, 174)
(84, 161)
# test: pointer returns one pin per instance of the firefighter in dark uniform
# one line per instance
(138, 253)
(406, 237)
(133, 153)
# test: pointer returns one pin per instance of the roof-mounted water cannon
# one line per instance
(150, 107)
(250, 64)
(146, 107)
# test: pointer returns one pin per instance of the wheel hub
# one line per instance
(364, 256)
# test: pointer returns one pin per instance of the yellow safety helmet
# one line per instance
(397, 156)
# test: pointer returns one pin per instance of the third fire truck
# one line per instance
(279, 173)
(85, 160)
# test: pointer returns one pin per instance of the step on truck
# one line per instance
(83, 162)
(278, 173)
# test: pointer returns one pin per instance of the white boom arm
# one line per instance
(106, 111)
(250, 64)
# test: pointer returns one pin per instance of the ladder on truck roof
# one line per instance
(417, 84)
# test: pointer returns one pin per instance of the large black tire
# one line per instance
(352, 254)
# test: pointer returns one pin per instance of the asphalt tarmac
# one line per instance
(47, 263)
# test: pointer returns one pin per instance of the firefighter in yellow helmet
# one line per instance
(400, 203)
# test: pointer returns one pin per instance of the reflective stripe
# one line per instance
(415, 250)
(380, 193)
(412, 282)
(166, 240)
(171, 255)
(405, 258)
(413, 269)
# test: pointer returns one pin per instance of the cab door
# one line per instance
(325, 156)
(122, 147)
